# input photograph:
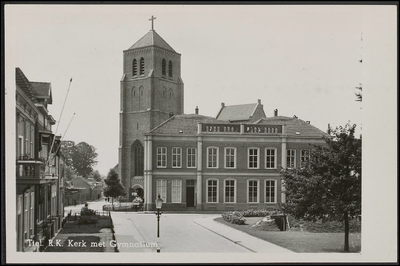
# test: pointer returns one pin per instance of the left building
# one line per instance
(39, 203)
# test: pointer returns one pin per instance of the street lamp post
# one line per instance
(159, 202)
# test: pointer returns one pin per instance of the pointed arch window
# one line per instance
(164, 67)
(134, 67)
(142, 66)
(138, 159)
(170, 68)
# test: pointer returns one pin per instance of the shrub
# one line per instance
(234, 217)
(259, 213)
(88, 216)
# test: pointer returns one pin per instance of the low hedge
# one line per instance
(234, 217)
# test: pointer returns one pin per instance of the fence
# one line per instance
(123, 206)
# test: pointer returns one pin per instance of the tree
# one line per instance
(329, 184)
(81, 157)
(113, 187)
(96, 176)
(69, 174)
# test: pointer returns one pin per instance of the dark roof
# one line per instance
(24, 84)
(237, 112)
(293, 125)
(43, 90)
(152, 39)
(187, 124)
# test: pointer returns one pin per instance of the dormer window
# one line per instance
(164, 67)
(170, 69)
(142, 66)
(134, 67)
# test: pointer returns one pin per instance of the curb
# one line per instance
(233, 241)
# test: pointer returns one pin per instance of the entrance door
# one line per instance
(189, 196)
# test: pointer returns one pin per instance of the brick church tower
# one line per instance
(151, 92)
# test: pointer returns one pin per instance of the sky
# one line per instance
(301, 60)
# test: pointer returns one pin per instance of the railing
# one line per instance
(240, 129)
(30, 169)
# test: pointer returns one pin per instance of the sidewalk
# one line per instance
(247, 241)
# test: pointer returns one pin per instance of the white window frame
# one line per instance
(21, 145)
(161, 151)
(275, 190)
(216, 156)
(234, 190)
(226, 157)
(31, 212)
(258, 157)
(258, 190)
(207, 190)
(189, 155)
(176, 191)
(288, 158)
(161, 189)
(176, 157)
(305, 153)
(267, 156)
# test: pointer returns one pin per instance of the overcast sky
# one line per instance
(301, 60)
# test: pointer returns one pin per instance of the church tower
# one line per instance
(151, 92)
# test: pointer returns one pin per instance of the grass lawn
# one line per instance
(83, 238)
(300, 241)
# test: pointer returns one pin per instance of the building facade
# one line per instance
(151, 92)
(200, 163)
(39, 211)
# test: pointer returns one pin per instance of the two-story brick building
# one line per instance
(196, 162)
(39, 211)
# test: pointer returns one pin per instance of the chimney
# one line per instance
(276, 112)
(259, 101)
(196, 110)
(171, 114)
(222, 104)
(308, 122)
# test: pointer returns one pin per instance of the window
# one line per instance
(134, 67)
(253, 158)
(142, 66)
(161, 157)
(139, 159)
(20, 146)
(176, 157)
(26, 217)
(270, 158)
(252, 191)
(164, 67)
(304, 157)
(191, 157)
(230, 157)
(170, 69)
(162, 189)
(212, 191)
(212, 157)
(270, 191)
(176, 191)
(230, 191)
(291, 158)
(31, 213)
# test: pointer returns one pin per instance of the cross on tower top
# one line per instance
(152, 22)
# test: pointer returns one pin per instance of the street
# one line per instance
(178, 233)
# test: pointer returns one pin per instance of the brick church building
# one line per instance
(196, 162)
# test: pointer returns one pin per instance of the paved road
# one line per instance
(178, 233)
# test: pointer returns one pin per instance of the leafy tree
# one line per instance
(329, 184)
(96, 176)
(69, 174)
(80, 157)
(113, 187)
